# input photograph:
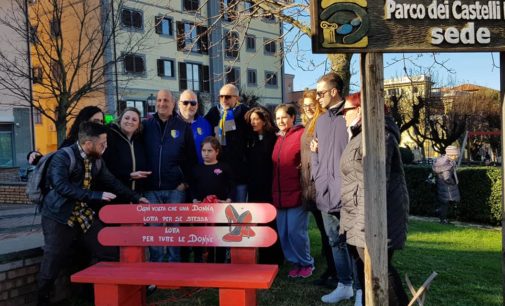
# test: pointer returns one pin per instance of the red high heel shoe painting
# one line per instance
(239, 231)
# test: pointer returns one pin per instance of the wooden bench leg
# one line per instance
(237, 297)
(119, 295)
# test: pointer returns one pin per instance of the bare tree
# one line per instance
(70, 47)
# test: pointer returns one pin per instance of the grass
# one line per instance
(467, 260)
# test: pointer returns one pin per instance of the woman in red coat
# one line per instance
(292, 218)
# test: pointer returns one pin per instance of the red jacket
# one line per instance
(286, 188)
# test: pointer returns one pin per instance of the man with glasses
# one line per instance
(330, 140)
(188, 111)
(67, 217)
(170, 152)
(230, 128)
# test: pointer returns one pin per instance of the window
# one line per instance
(34, 38)
(166, 68)
(163, 25)
(232, 75)
(191, 37)
(268, 17)
(190, 5)
(6, 145)
(248, 6)
(55, 70)
(132, 19)
(37, 116)
(229, 8)
(250, 43)
(134, 63)
(251, 77)
(55, 28)
(232, 44)
(37, 75)
(270, 79)
(140, 105)
(194, 76)
(270, 47)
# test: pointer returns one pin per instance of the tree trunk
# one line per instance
(61, 131)
(341, 64)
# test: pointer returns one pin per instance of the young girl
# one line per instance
(213, 179)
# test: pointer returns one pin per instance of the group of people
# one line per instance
(232, 154)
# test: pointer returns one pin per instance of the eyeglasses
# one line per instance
(322, 93)
(226, 97)
(346, 109)
(185, 103)
(308, 106)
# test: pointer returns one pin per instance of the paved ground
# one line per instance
(19, 228)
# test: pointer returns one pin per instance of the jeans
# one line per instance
(338, 244)
(326, 250)
(292, 226)
(239, 195)
(157, 253)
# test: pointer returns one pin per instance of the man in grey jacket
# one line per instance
(330, 140)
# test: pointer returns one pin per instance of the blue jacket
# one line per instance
(170, 152)
(331, 133)
(201, 130)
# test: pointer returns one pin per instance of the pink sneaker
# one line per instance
(294, 272)
(305, 271)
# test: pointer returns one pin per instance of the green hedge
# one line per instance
(480, 189)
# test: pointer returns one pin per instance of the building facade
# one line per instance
(16, 132)
(178, 45)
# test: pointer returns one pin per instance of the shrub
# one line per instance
(407, 156)
(480, 189)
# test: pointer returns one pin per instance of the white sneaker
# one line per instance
(359, 298)
(343, 292)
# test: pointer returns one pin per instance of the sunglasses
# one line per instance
(226, 97)
(346, 109)
(185, 103)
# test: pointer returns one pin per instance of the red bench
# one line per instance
(123, 283)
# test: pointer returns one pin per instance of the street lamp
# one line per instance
(151, 103)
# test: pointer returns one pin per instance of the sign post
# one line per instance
(374, 27)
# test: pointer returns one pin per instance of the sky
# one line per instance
(474, 68)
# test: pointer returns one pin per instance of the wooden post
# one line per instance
(374, 157)
(502, 97)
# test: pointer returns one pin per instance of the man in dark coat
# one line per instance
(66, 215)
(230, 128)
(171, 154)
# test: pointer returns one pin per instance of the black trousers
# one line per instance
(325, 245)
(58, 241)
(396, 293)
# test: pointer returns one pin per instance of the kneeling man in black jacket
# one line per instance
(66, 215)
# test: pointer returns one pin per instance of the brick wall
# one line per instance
(18, 279)
(9, 174)
(18, 285)
(13, 193)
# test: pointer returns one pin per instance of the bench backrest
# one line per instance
(225, 225)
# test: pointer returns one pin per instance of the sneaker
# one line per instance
(444, 221)
(150, 289)
(343, 292)
(306, 271)
(358, 301)
(294, 272)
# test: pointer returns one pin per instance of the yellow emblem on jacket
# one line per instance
(199, 131)
(175, 133)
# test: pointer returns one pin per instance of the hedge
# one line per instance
(480, 189)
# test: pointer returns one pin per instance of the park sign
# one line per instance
(340, 26)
